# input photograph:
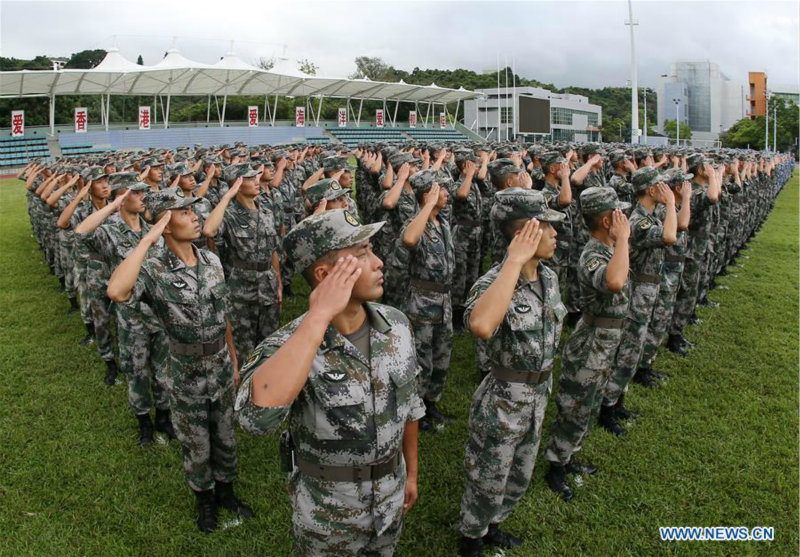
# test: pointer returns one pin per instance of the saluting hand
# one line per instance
(525, 243)
(431, 197)
(119, 200)
(234, 189)
(331, 296)
(620, 227)
(84, 193)
(157, 229)
(321, 207)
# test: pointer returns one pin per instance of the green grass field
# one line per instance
(718, 445)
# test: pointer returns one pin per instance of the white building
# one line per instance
(497, 115)
(709, 101)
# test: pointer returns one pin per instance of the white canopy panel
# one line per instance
(177, 75)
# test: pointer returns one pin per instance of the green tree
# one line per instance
(140, 61)
(85, 59)
(307, 66)
(684, 129)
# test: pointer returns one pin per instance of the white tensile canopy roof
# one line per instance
(176, 75)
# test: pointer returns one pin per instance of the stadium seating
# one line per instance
(82, 150)
(354, 136)
(19, 151)
(438, 135)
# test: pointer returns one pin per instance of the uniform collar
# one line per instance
(377, 322)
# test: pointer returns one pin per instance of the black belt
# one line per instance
(526, 377)
(468, 222)
(603, 322)
(430, 286)
(643, 277)
(198, 348)
(676, 258)
(369, 472)
(251, 265)
(699, 235)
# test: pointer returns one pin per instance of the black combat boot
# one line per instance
(705, 302)
(694, 320)
(643, 378)
(688, 344)
(89, 338)
(608, 420)
(111, 372)
(145, 429)
(62, 285)
(556, 479)
(470, 547)
(206, 511)
(622, 412)
(73, 305)
(572, 318)
(432, 412)
(575, 467)
(495, 536)
(227, 500)
(164, 424)
(723, 272)
(458, 318)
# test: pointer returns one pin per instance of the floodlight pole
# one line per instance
(634, 85)
(52, 115)
(775, 129)
(677, 122)
(766, 127)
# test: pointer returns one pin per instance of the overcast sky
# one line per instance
(560, 42)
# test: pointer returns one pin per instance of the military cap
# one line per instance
(502, 166)
(697, 159)
(317, 235)
(551, 157)
(335, 163)
(520, 203)
(433, 147)
(169, 198)
(151, 162)
(596, 200)
(422, 181)
(505, 152)
(399, 159)
(126, 180)
(645, 177)
(617, 155)
(225, 147)
(95, 173)
(592, 149)
(181, 169)
(212, 159)
(674, 176)
(241, 170)
(462, 155)
(328, 188)
(641, 153)
(279, 154)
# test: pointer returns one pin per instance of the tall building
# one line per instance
(757, 94)
(531, 111)
(708, 101)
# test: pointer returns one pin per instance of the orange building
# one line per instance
(757, 98)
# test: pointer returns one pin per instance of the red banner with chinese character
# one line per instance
(252, 116)
(144, 117)
(442, 120)
(17, 123)
(379, 118)
(300, 117)
(342, 117)
(412, 119)
(81, 119)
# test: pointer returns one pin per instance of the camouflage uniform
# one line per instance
(589, 352)
(193, 306)
(560, 262)
(351, 414)
(506, 415)
(248, 239)
(467, 234)
(646, 262)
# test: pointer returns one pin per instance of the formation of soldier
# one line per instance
(191, 253)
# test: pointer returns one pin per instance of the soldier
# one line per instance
(212, 166)
(344, 374)
(589, 352)
(431, 263)
(184, 179)
(250, 247)
(620, 179)
(185, 287)
(152, 173)
(325, 195)
(516, 310)
(649, 237)
(557, 193)
(143, 348)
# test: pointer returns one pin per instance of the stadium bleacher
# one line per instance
(439, 135)
(19, 151)
(354, 136)
(82, 150)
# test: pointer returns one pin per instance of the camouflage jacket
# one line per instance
(596, 298)
(433, 260)
(193, 306)
(564, 239)
(623, 187)
(249, 235)
(527, 338)
(216, 191)
(646, 242)
(351, 411)
(471, 207)
(700, 221)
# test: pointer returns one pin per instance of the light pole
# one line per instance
(645, 115)
(634, 87)
(775, 129)
(677, 122)
(766, 127)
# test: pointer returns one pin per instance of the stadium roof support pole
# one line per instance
(166, 117)
(427, 115)
(385, 112)
(208, 111)
(458, 105)
(360, 106)
(102, 110)
(224, 106)
(266, 106)
(319, 111)
(394, 120)
(108, 109)
(349, 112)
(52, 114)
(155, 109)
(274, 112)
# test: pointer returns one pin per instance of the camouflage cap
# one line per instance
(317, 235)
(462, 155)
(212, 159)
(242, 170)
(328, 189)
(423, 181)
(95, 173)
(520, 203)
(126, 180)
(697, 159)
(151, 162)
(674, 176)
(278, 155)
(645, 177)
(596, 200)
(335, 163)
(551, 157)
(617, 155)
(181, 169)
(169, 198)
(399, 159)
(501, 167)
(592, 149)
